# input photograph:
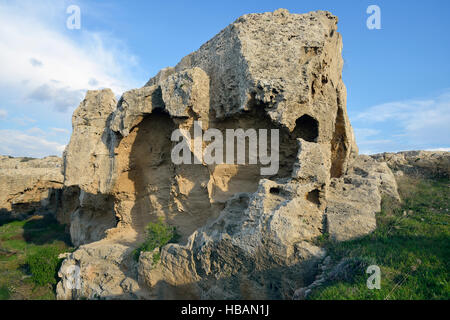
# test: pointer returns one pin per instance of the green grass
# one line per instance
(29, 261)
(4, 293)
(157, 235)
(411, 246)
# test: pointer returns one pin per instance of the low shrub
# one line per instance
(4, 293)
(43, 265)
(349, 268)
(157, 235)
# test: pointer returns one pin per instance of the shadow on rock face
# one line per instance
(38, 228)
(250, 284)
(149, 185)
(44, 229)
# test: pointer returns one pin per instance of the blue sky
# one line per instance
(397, 78)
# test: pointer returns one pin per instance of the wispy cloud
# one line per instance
(438, 149)
(60, 130)
(47, 64)
(33, 144)
(23, 121)
(404, 125)
(36, 63)
(62, 98)
(46, 68)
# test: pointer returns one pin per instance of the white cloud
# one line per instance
(45, 62)
(35, 62)
(60, 130)
(363, 133)
(62, 98)
(45, 70)
(35, 131)
(438, 149)
(23, 121)
(404, 125)
(18, 143)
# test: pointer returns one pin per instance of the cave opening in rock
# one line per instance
(306, 128)
(150, 185)
(256, 118)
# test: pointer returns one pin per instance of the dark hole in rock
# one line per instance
(313, 196)
(361, 172)
(307, 128)
(275, 190)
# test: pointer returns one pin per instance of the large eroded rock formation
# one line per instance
(29, 185)
(243, 235)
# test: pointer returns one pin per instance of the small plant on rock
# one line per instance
(157, 235)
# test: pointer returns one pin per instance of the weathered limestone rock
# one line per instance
(104, 272)
(186, 92)
(354, 199)
(312, 163)
(133, 106)
(243, 235)
(92, 217)
(423, 163)
(265, 235)
(87, 166)
(87, 158)
(28, 185)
